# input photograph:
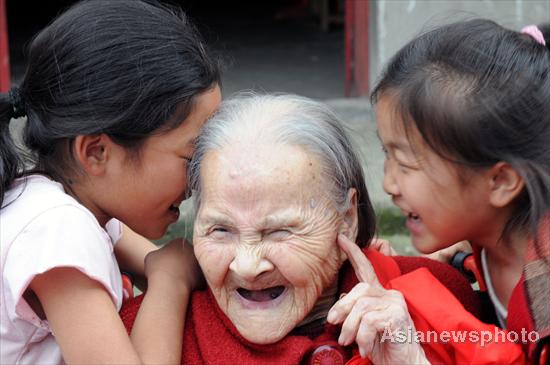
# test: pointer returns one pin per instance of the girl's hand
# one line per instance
(371, 315)
(176, 263)
(446, 254)
(382, 246)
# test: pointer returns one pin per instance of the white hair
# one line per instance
(291, 120)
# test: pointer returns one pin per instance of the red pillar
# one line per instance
(4, 49)
(348, 42)
(357, 47)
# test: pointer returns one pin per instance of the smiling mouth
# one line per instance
(413, 216)
(174, 208)
(262, 295)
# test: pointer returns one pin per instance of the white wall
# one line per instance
(394, 22)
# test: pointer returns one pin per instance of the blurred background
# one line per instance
(331, 50)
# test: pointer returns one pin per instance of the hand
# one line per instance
(370, 313)
(382, 246)
(175, 261)
(446, 254)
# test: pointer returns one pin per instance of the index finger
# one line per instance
(362, 266)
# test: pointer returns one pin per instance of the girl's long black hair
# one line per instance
(125, 68)
(478, 94)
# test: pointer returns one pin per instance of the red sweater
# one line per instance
(211, 338)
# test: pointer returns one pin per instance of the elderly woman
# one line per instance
(277, 184)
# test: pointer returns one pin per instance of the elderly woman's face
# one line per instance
(265, 237)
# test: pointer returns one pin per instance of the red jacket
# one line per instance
(430, 289)
(520, 316)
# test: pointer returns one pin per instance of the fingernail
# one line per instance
(342, 340)
(362, 352)
(331, 317)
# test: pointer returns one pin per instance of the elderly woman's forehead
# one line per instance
(244, 160)
(244, 175)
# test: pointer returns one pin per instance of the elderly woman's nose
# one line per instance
(249, 263)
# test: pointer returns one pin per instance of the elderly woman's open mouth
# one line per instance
(260, 298)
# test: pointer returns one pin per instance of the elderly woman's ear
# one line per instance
(349, 225)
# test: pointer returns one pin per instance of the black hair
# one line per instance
(125, 68)
(479, 94)
(545, 30)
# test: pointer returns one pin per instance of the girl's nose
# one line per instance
(390, 186)
(249, 263)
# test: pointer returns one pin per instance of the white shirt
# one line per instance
(500, 309)
(42, 227)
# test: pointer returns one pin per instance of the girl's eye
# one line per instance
(406, 167)
(403, 168)
(385, 151)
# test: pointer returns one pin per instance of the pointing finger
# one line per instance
(362, 266)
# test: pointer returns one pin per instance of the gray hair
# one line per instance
(295, 121)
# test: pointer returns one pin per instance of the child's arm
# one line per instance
(166, 282)
(383, 246)
(86, 323)
(131, 250)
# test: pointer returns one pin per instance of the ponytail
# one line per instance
(11, 160)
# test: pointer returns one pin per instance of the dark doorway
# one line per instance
(272, 45)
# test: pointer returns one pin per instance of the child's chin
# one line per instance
(154, 234)
(422, 246)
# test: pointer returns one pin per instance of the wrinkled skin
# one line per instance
(369, 310)
(265, 221)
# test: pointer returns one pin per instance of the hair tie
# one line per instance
(535, 33)
(17, 104)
